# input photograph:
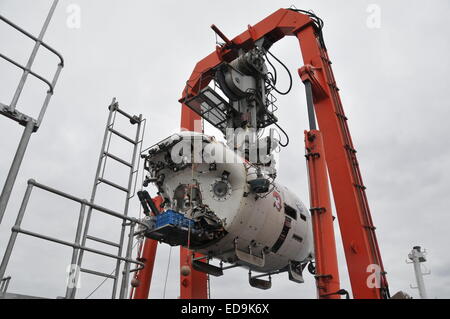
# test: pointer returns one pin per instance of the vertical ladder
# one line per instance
(100, 179)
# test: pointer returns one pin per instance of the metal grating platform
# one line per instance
(210, 106)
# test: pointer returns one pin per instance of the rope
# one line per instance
(101, 284)
(104, 280)
(167, 273)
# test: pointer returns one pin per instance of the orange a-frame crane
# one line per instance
(328, 151)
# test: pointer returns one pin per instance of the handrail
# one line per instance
(26, 33)
(4, 283)
(24, 68)
(86, 202)
(76, 245)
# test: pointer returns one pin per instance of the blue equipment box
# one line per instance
(171, 217)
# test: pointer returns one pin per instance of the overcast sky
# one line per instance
(394, 86)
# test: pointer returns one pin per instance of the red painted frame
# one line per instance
(355, 221)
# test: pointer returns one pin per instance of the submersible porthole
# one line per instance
(221, 189)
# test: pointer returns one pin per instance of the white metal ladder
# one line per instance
(133, 165)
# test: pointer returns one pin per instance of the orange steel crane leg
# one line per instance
(355, 222)
(326, 272)
(144, 276)
(195, 284)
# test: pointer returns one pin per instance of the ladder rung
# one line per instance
(103, 241)
(133, 119)
(114, 157)
(126, 138)
(97, 273)
(102, 180)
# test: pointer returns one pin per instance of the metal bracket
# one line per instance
(294, 274)
(259, 283)
(207, 268)
(307, 74)
(249, 257)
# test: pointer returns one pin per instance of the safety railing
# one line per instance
(76, 245)
(4, 283)
(10, 110)
(31, 124)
